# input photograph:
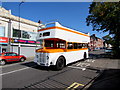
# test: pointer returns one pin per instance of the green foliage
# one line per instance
(108, 39)
(105, 16)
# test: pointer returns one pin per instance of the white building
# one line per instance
(17, 32)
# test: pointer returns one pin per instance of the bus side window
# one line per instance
(40, 35)
(85, 45)
(60, 44)
(49, 43)
(70, 46)
(75, 46)
(79, 45)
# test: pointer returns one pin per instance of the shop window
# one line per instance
(3, 49)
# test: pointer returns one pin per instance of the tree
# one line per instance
(108, 39)
(105, 16)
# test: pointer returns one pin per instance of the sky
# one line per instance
(70, 14)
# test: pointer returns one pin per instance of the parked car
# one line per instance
(10, 57)
(109, 51)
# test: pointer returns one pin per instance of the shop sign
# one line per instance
(3, 40)
(24, 41)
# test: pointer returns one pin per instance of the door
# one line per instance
(0, 50)
(3, 49)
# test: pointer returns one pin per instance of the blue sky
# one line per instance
(70, 14)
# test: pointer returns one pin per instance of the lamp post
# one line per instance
(19, 35)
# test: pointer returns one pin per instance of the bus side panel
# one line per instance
(69, 56)
(75, 56)
(53, 57)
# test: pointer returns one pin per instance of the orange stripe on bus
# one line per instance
(64, 29)
(59, 50)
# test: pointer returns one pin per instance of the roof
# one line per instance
(58, 31)
(7, 14)
(57, 25)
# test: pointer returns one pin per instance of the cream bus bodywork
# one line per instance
(48, 57)
(64, 33)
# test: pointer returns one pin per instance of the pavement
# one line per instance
(110, 77)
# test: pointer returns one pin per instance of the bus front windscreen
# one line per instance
(40, 45)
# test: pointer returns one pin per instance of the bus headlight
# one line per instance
(47, 57)
(37, 56)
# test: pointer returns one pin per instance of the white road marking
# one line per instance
(83, 64)
(77, 68)
(16, 71)
(14, 64)
(90, 60)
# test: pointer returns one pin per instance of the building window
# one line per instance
(16, 33)
(2, 31)
(25, 35)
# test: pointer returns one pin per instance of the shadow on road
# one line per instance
(100, 54)
(109, 79)
(35, 66)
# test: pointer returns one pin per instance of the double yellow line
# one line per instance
(74, 85)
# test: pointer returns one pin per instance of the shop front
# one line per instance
(3, 44)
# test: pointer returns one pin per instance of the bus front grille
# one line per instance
(42, 57)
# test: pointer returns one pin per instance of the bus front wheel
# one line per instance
(60, 63)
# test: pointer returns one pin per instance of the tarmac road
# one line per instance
(29, 75)
(81, 74)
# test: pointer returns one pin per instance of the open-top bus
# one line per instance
(60, 46)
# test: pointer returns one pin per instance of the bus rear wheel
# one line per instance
(85, 56)
(60, 63)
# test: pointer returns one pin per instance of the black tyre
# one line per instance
(22, 59)
(60, 63)
(85, 56)
(2, 62)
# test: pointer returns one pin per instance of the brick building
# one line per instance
(95, 43)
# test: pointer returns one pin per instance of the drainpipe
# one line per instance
(9, 36)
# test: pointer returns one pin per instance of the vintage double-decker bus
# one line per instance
(60, 46)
